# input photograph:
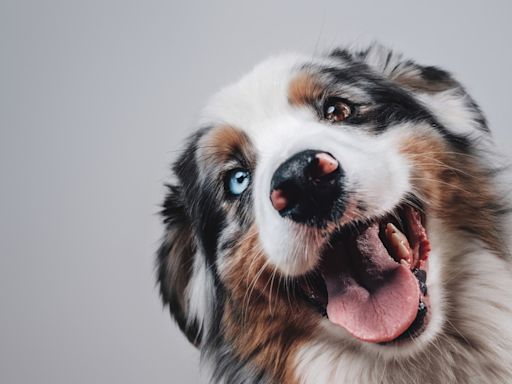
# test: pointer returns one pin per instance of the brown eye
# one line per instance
(336, 109)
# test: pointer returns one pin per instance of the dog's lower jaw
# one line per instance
(468, 340)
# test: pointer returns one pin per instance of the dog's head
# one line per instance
(320, 202)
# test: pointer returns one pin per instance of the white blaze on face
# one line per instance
(374, 172)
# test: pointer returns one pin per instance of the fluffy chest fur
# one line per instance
(340, 219)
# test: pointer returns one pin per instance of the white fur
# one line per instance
(369, 165)
(200, 294)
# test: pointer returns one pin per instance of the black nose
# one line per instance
(308, 188)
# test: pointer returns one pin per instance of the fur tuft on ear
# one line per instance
(434, 86)
(408, 74)
(175, 262)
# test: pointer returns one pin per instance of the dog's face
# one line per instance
(320, 203)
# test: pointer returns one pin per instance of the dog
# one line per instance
(341, 219)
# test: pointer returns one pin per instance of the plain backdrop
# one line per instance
(95, 100)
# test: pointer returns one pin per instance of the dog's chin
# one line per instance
(370, 282)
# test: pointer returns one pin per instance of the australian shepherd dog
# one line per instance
(340, 219)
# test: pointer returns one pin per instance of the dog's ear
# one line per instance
(406, 73)
(437, 88)
(175, 262)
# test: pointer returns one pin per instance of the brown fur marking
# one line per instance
(416, 82)
(304, 90)
(456, 187)
(218, 145)
(262, 318)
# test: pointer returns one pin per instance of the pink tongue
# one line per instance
(383, 302)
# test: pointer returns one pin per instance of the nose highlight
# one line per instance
(325, 164)
(307, 187)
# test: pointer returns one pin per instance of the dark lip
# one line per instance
(312, 285)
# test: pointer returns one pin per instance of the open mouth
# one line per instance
(372, 278)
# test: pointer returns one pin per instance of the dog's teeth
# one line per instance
(399, 244)
(404, 252)
(391, 228)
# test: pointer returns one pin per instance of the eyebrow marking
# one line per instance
(224, 143)
(305, 89)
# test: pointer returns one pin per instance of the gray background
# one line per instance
(95, 99)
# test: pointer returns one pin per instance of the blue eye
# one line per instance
(238, 181)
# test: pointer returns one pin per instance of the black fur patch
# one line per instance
(194, 205)
(388, 103)
(173, 283)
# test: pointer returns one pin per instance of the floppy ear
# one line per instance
(408, 74)
(175, 262)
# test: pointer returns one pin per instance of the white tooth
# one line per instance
(399, 243)
(404, 252)
(405, 263)
(390, 228)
